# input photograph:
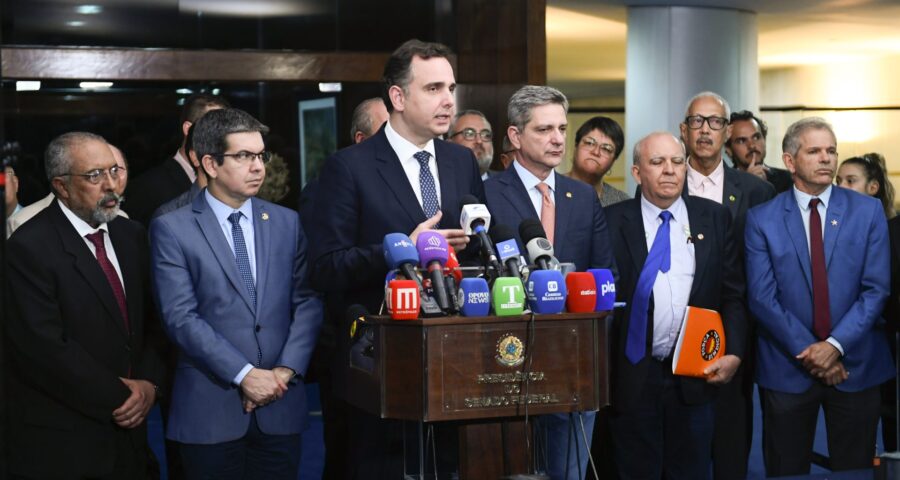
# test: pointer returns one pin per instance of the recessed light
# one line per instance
(95, 85)
(75, 23)
(215, 91)
(184, 91)
(88, 9)
(28, 85)
(330, 87)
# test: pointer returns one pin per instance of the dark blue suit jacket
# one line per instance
(580, 234)
(779, 279)
(209, 315)
(364, 194)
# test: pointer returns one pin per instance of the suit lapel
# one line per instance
(563, 208)
(214, 235)
(701, 229)
(833, 222)
(793, 223)
(396, 180)
(262, 235)
(88, 267)
(731, 193)
(634, 236)
(447, 179)
(514, 191)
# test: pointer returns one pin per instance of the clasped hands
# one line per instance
(822, 360)
(133, 411)
(261, 387)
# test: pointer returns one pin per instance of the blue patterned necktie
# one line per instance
(426, 183)
(241, 256)
(658, 260)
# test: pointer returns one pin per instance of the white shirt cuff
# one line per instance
(836, 344)
(243, 373)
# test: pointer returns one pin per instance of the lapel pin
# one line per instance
(568, 194)
(731, 198)
(834, 223)
(699, 236)
(265, 216)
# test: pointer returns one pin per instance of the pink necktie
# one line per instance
(548, 213)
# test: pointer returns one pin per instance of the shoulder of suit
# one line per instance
(576, 187)
(752, 185)
(274, 209)
(620, 208)
(699, 203)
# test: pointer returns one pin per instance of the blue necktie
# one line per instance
(658, 260)
(241, 256)
(426, 183)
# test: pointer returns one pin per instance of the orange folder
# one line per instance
(700, 342)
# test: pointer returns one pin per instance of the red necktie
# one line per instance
(111, 276)
(821, 312)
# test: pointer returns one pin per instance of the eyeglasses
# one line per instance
(696, 121)
(590, 143)
(469, 134)
(96, 176)
(244, 157)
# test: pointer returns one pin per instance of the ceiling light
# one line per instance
(88, 9)
(184, 91)
(75, 23)
(215, 91)
(28, 86)
(330, 87)
(95, 85)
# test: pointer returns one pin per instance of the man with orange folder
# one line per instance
(672, 251)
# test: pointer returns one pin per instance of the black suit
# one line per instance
(363, 194)
(153, 188)
(779, 178)
(718, 284)
(69, 346)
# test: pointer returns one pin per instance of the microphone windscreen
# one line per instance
(508, 296)
(531, 228)
(474, 297)
(403, 299)
(399, 249)
(501, 233)
(432, 246)
(606, 289)
(546, 291)
(582, 292)
(452, 265)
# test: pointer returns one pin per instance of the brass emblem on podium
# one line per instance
(510, 351)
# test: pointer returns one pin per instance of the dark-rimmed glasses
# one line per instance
(469, 134)
(696, 121)
(245, 157)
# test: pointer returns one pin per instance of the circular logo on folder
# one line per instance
(710, 345)
(510, 351)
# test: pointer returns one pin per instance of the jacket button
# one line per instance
(258, 328)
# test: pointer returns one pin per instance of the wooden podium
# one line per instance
(487, 371)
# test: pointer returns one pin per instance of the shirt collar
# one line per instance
(804, 198)
(185, 165)
(716, 177)
(403, 147)
(650, 212)
(222, 211)
(530, 181)
(80, 225)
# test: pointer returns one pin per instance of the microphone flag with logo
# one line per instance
(546, 291)
(403, 299)
(508, 296)
(474, 297)
(433, 253)
(606, 289)
(582, 292)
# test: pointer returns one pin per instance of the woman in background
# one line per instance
(598, 143)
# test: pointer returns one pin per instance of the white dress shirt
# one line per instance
(803, 202)
(671, 290)
(84, 229)
(185, 165)
(405, 151)
(530, 181)
(711, 187)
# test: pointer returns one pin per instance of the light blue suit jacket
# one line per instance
(208, 314)
(779, 286)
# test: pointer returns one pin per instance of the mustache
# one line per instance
(111, 196)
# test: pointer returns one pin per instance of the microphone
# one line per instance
(401, 254)
(546, 291)
(403, 299)
(476, 219)
(582, 292)
(452, 265)
(433, 251)
(508, 296)
(606, 289)
(362, 339)
(474, 297)
(540, 250)
(507, 249)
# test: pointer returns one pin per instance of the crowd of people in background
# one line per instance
(196, 294)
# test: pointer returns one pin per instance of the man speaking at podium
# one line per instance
(672, 251)
(572, 218)
(402, 179)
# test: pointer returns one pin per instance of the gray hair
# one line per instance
(708, 94)
(56, 157)
(212, 129)
(361, 121)
(530, 96)
(636, 154)
(468, 112)
(791, 142)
